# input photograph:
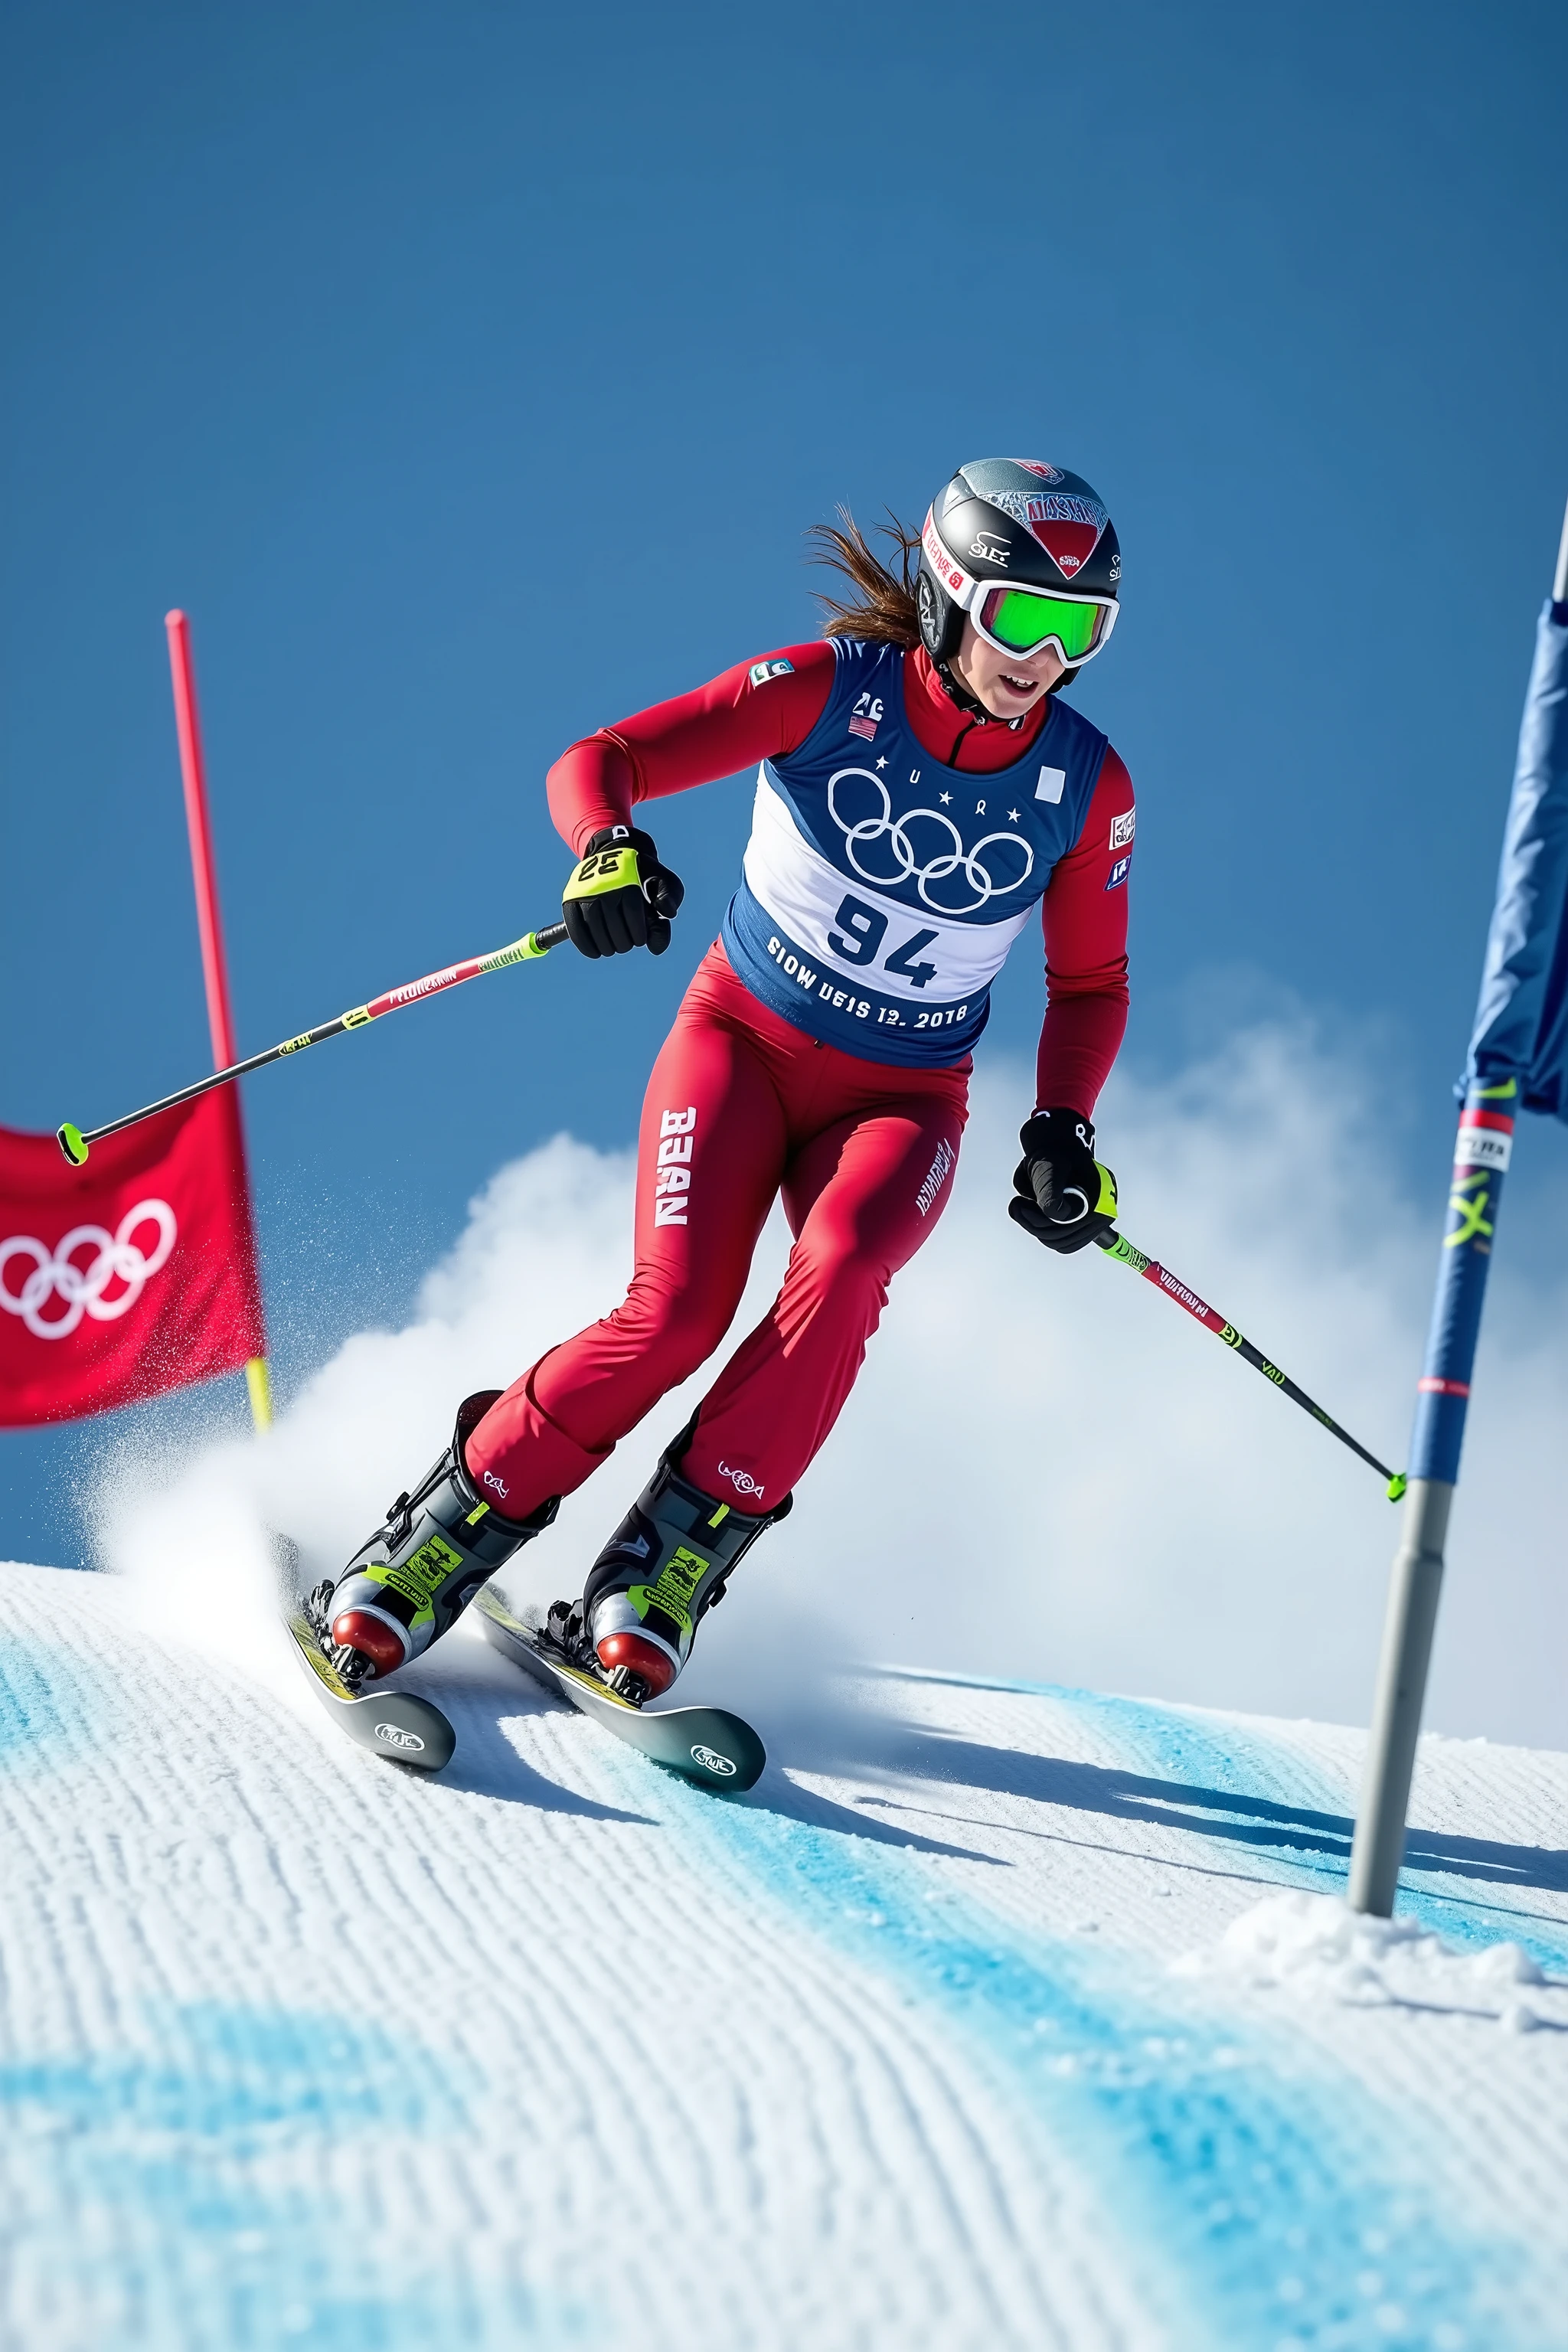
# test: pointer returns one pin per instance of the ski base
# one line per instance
(706, 1744)
(391, 1724)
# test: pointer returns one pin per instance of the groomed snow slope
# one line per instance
(993, 2017)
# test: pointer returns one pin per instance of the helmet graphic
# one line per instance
(1015, 522)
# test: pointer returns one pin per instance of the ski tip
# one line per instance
(73, 1143)
(1396, 1485)
(415, 1735)
(709, 1746)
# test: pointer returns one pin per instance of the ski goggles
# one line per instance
(1019, 620)
(1028, 620)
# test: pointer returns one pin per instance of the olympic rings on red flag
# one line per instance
(116, 1257)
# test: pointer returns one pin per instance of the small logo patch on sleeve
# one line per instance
(1118, 873)
(762, 671)
(1121, 828)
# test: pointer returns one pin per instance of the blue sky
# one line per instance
(470, 373)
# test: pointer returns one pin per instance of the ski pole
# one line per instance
(76, 1144)
(1118, 1246)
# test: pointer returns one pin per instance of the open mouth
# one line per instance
(1022, 686)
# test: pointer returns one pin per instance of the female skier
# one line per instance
(920, 787)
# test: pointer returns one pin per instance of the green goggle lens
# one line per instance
(1023, 622)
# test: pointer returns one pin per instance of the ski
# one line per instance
(391, 1724)
(706, 1744)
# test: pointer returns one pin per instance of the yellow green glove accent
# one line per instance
(603, 870)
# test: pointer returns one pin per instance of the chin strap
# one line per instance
(956, 691)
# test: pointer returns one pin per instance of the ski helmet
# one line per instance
(1019, 523)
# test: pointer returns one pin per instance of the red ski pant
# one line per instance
(740, 1107)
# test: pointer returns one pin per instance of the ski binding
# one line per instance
(706, 1744)
(391, 1724)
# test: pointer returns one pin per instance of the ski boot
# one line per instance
(666, 1563)
(413, 1579)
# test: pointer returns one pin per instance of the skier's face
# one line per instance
(1007, 684)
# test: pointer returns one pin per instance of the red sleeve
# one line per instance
(1085, 915)
(758, 710)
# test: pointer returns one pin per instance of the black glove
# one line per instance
(1064, 1196)
(620, 896)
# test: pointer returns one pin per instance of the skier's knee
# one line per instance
(683, 1332)
(849, 1277)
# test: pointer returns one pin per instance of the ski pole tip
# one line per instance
(1396, 1485)
(73, 1143)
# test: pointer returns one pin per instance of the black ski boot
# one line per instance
(666, 1563)
(413, 1579)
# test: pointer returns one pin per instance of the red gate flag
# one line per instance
(132, 1275)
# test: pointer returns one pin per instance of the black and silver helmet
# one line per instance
(1019, 523)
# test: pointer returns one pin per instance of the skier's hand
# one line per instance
(1064, 1197)
(620, 896)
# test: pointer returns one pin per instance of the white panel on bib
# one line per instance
(806, 897)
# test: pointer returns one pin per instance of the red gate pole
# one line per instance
(209, 923)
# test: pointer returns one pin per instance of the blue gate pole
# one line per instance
(1481, 1152)
(1517, 1060)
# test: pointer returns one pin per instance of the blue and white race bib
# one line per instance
(882, 890)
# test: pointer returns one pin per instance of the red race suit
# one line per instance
(897, 848)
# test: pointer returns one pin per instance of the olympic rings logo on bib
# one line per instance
(117, 1265)
(977, 884)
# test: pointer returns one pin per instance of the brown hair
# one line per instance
(883, 605)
